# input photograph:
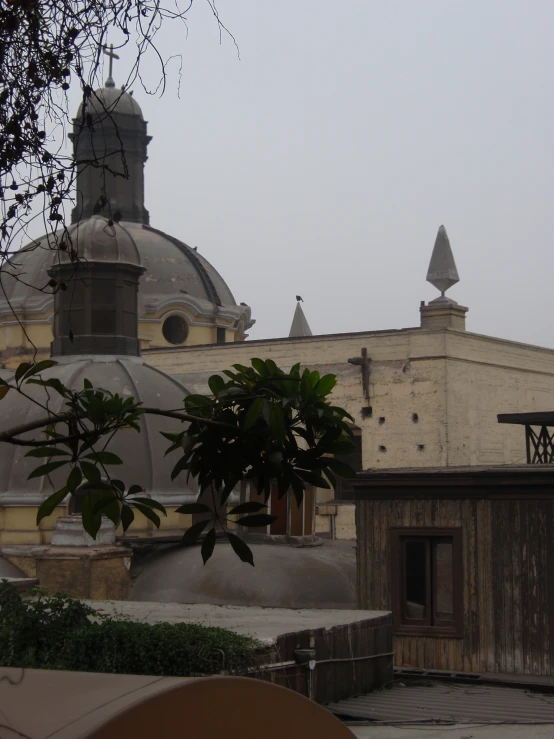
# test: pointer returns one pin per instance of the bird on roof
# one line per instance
(244, 304)
(299, 298)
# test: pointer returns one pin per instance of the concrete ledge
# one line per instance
(20, 583)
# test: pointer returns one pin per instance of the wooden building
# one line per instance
(464, 558)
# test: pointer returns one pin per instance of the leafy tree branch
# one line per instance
(261, 426)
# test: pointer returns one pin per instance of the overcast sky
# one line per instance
(325, 159)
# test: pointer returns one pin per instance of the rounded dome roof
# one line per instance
(175, 273)
(111, 99)
(283, 577)
(142, 454)
(99, 240)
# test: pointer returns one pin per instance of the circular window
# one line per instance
(175, 330)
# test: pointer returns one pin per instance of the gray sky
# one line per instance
(325, 159)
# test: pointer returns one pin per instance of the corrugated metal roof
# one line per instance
(446, 701)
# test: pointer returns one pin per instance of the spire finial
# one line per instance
(300, 326)
(442, 272)
(112, 55)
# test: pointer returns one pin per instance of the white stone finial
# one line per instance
(300, 326)
(442, 272)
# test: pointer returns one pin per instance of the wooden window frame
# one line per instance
(398, 538)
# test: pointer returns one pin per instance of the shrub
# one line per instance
(61, 633)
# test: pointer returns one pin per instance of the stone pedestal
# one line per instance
(69, 532)
(94, 573)
(84, 567)
(443, 313)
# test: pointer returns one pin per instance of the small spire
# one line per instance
(300, 326)
(112, 55)
(442, 272)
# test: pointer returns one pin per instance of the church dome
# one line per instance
(175, 273)
(110, 99)
(283, 576)
(182, 298)
(142, 454)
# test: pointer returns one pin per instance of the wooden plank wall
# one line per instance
(334, 681)
(508, 591)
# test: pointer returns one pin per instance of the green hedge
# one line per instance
(60, 633)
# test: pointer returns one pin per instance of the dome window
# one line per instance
(175, 330)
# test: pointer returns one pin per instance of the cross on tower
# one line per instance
(112, 55)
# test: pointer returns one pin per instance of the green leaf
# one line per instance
(47, 507)
(261, 367)
(341, 468)
(150, 504)
(148, 513)
(340, 446)
(198, 400)
(326, 384)
(249, 507)
(208, 545)
(313, 478)
(253, 413)
(92, 520)
(107, 503)
(135, 490)
(193, 508)
(74, 479)
(272, 367)
(241, 549)
(127, 517)
(4, 389)
(172, 436)
(46, 469)
(260, 519)
(104, 457)
(87, 384)
(39, 367)
(47, 451)
(277, 423)
(181, 465)
(21, 370)
(192, 533)
(53, 382)
(91, 472)
(216, 383)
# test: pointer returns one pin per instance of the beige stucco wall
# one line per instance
(453, 381)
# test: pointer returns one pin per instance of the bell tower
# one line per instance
(109, 143)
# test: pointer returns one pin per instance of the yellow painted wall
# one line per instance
(16, 347)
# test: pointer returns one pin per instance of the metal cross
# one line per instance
(112, 56)
(365, 363)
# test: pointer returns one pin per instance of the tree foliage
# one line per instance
(261, 426)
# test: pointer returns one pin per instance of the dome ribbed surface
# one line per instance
(142, 453)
